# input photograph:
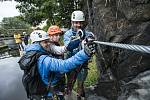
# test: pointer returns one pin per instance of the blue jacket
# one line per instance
(47, 64)
(73, 45)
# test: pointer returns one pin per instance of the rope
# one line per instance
(139, 48)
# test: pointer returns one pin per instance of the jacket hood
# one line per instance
(35, 47)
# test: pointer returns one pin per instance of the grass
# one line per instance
(92, 74)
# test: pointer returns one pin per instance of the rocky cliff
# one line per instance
(124, 74)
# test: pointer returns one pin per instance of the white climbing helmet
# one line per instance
(38, 35)
(77, 16)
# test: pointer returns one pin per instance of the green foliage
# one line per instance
(92, 73)
(45, 28)
(30, 12)
(13, 24)
(56, 11)
(2, 31)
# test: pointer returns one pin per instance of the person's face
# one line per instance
(45, 44)
(54, 38)
(77, 25)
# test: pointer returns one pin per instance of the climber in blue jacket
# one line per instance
(47, 64)
(74, 38)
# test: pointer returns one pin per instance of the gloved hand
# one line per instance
(73, 44)
(75, 40)
(81, 34)
(90, 46)
(90, 38)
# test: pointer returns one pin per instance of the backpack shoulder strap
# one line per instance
(29, 59)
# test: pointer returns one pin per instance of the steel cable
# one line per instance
(139, 48)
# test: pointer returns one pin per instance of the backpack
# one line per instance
(31, 79)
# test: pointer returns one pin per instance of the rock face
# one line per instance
(123, 73)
